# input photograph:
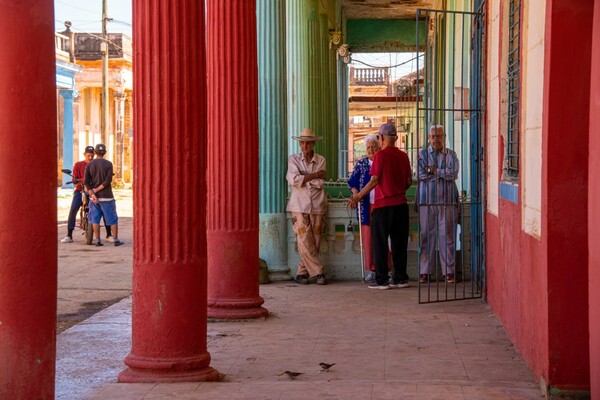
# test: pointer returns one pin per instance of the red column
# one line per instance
(232, 216)
(169, 268)
(594, 208)
(28, 181)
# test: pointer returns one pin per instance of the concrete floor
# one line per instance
(383, 344)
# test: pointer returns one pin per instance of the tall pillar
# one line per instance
(343, 118)
(314, 99)
(329, 109)
(232, 217)
(68, 96)
(169, 259)
(120, 97)
(28, 268)
(297, 70)
(272, 122)
(594, 207)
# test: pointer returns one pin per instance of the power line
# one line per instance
(391, 66)
(78, 8)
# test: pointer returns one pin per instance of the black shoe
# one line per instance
(302, 279)
(98, 244)
(118, 242)
(321, 280)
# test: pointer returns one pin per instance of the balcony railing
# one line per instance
(61, 44)
(370, 76)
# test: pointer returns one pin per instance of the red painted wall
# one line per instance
(516, 284)
(539, 288)
(594, 209)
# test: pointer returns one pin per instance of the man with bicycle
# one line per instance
(77, 202)
(98, 179)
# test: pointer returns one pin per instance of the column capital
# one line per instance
(68, 94)
(120, 96)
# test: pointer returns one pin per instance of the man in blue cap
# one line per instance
(391, 175)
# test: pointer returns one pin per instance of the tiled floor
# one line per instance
(384, 346)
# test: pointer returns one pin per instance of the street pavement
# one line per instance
(92, 278)
(383, 343)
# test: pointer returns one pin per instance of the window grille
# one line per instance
(514, 38)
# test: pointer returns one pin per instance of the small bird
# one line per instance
(291, 374)
(326, 366)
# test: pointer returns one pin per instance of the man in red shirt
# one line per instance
(78, 175)
(390, 177)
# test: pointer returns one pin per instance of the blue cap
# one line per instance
(387, 129)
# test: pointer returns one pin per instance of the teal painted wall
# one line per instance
(373, 35)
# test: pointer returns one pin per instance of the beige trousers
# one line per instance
(307, 228)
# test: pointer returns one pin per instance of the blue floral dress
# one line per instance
(359, 179)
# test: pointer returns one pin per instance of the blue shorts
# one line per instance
(106, 208)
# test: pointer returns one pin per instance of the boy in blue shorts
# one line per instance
(98, 178)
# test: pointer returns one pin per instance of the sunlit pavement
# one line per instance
(384, 346)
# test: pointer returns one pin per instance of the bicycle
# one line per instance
(84, 211)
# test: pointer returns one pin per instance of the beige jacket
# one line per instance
(310, 197)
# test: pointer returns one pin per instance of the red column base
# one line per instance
(236, 309)
(146, 370)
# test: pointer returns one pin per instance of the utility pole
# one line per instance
(104, 121)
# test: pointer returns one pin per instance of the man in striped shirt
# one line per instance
(438, 169)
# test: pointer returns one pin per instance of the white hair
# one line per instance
(432, 128)
(371, 137)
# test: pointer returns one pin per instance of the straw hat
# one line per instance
(307, 135)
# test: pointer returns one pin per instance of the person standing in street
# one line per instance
(78, 177)
(308, 204)
(391, 176)
(98, 179)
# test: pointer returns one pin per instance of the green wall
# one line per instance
(384, 35)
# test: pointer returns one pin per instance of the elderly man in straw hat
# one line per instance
(308, 204)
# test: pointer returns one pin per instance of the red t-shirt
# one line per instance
(79, 173)
(392, 167)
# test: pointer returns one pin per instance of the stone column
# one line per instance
(28, 268)
(343, 118)
(334, 163)
(68, 96)
(297, 70)
(314, 99)
(272, 122)
(327, 111)
(120, 97)
(169, 265)
(232, 217)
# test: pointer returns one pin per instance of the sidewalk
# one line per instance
(91, 278)
(383, 344)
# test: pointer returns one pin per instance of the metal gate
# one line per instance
(449, 197)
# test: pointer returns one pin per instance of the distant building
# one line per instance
(83, 51)
(66, 71)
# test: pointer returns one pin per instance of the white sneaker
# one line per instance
(67, 239)
(110, 239)
(379, 287)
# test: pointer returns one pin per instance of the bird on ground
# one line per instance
(291, 374)
(325, 366)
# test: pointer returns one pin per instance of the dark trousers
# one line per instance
(390, 222)
(75, 206)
